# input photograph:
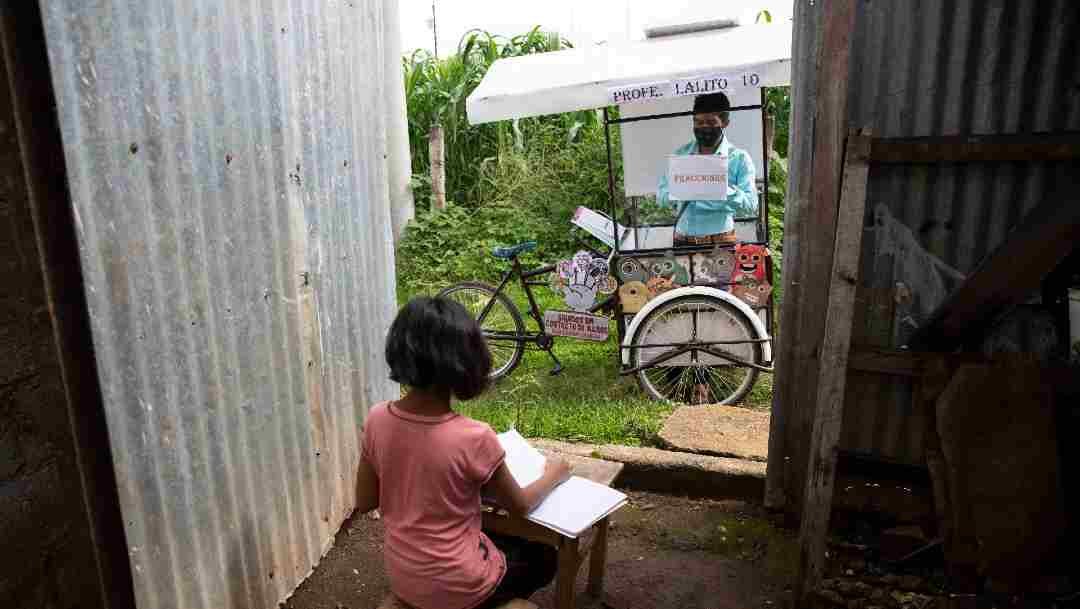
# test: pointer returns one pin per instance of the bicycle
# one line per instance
(697, 344)
(499, 317)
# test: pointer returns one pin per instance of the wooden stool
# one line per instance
(393, 602)
(572, 551)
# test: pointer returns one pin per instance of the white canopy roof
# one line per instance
(581, 79)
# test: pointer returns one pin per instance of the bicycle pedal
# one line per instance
(557, 370)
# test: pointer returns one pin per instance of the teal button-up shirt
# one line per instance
(712, 217)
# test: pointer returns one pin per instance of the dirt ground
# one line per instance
(664, 552)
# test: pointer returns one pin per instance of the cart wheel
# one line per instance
(502, 318)
(696, 377)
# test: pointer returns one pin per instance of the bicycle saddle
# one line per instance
(508, 253)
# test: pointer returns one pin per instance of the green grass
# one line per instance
(588, 402)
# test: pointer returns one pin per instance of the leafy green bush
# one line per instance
(528, 195)
(454, 244)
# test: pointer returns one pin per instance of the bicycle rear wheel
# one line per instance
(502, 324)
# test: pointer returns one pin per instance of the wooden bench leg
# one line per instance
(566, 578)
(598, 559)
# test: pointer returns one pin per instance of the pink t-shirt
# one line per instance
(430, 473)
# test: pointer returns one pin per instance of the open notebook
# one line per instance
(574, 506)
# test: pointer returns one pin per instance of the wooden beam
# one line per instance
(913, 364)
(805, 76)
(817, 157)
(893, 363)
(832, 376)
(977, 148)
(1011, 274)
(917, 365)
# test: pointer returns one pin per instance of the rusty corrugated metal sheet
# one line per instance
(924, 68)
(227, 170)
(961, 68)
(948, 68)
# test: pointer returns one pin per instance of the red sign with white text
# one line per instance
(576, 325)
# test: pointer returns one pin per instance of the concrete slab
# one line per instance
(723, 431)
(679, 473)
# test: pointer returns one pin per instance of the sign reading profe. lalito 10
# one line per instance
(633, 94)
(715, 83)
(681, 87)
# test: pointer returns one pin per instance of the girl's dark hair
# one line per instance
(435, 344)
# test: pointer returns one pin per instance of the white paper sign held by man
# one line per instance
(697, 177)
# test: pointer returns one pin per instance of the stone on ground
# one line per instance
(666, 471)
(725, 431)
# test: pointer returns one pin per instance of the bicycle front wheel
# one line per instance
(695, 376)
(502, 324)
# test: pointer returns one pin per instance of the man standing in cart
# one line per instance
(710, 222)
(713, 222)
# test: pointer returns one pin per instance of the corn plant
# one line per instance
(436, 90)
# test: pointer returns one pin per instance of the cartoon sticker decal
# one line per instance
(750, 282)
(752, 292)
(670, 269)
(580, 279)
(740, 270)
(749, 262)
(659, 285)
(715, 267)
(599, 272)
(629, 269)
(633, 296)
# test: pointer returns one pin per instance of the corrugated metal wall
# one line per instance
(227, 165)
(926, 68)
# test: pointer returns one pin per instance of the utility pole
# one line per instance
(434, 29)
(436, 153)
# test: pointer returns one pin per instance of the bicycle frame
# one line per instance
(534, 309)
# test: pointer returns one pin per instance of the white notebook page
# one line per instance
(525, 463)
(575, 505)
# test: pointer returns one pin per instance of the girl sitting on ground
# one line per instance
(425, 467)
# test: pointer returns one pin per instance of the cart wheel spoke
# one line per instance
(696, 377)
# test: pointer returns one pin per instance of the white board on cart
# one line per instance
(647, 144)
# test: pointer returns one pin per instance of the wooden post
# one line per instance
(928, 388)
(770, 137)
(438, 166)
(566, 579)
(832, 377)
(800, 150)
(598, 559)
(94, 503)
(819, 125)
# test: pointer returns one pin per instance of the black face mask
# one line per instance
(707, 137)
